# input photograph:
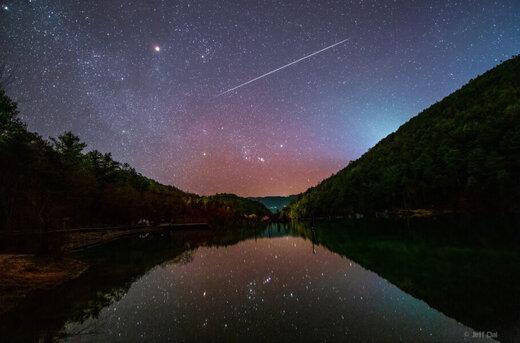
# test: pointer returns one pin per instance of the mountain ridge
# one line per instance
(461, 154)
(274, 203)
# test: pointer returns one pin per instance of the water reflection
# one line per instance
(464, 268)
(283, 283)
(272, 290)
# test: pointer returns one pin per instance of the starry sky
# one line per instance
(141, 79)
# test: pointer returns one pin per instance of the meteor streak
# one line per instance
(282, 67)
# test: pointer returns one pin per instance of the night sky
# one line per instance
(141, 79)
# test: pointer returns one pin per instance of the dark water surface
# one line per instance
(329, 282)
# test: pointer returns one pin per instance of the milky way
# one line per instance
(139, 79)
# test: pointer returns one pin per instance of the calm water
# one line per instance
(258, 285)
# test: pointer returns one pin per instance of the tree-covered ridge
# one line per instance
(56, 184)
(462, 154)
(225, 203)
(274, 203)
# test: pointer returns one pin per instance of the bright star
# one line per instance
(157, 48)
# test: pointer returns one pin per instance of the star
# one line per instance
(142, 86)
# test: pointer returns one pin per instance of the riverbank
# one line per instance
(25, 275)
(63, 241)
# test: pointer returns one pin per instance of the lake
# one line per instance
(325, 282)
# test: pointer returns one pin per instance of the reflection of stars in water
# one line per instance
(251, 292)
(243, 290)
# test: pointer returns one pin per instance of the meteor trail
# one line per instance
(282, 67)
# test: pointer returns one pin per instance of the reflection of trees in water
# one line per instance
(425, 259)
(101, 300)
(184, 258)
(87, 328)
(461, 267)
(115, 267)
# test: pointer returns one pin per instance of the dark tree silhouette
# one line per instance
(461, 154)
(54, 184)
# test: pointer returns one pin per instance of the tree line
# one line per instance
(56, 184)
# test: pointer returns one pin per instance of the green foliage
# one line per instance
(462, 154)
(57, 185)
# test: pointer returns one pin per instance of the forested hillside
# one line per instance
(275, 203)
(55, 184)
(461, 154)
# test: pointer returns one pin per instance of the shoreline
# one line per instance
(402, 213)
(25, 275)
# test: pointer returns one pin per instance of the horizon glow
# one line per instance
(139, 79)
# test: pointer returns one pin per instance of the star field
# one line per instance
(140, 79)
